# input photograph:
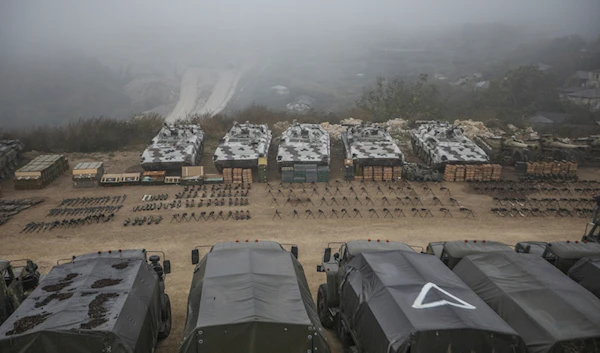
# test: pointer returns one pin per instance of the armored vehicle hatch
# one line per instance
(303, 143)
(242, 146)
(174, 146)
(439, 143)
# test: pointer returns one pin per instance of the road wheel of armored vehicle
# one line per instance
(323, 308)
(166, 319)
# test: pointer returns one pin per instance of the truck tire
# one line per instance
(323, 308)
(166, 319)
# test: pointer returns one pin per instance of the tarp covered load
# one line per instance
(97, 303)
(248, 300)
(550, 312)
(401, 301)
(587, 273)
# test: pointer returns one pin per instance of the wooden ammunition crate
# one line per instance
(388, 174)
(377, 173)
(460, 173)
(247, 176)
(368, 173)
(450, 172)
(397, 170)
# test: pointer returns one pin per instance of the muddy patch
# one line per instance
(65, 282)
(51, 297)
(97, 311)
(106, 282)
(27, 323)
(121, 265)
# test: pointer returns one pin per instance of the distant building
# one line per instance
(545, 118)
(482, 84)
(586, 79)
(543, 67)
(280, 90)
(588, 97)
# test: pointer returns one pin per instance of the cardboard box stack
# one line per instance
(237, 176)
(368, 173)
(388, 174)
(450, 172)
(247, 176)
(228, 175)
(377, 173)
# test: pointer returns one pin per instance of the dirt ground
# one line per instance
(311, 235)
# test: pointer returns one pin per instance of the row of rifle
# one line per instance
(67, 223)
(538, 212)
(192, 204)
(212, 215)
(345, 201)
(372, 213)
(89, 201)
(140, 221)
(83, 211)
(213, 194)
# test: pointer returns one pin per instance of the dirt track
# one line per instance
(177, 239)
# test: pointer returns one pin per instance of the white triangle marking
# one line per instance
(418, 304)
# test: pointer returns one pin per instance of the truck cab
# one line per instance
(564, 254)
(592, 232)
(453, 251)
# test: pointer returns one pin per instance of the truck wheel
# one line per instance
(166, 318)
(322, 308)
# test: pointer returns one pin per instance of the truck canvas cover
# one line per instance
(96, 303)
(251, 300)
(548, 310)
(587, 273)
(399, 301)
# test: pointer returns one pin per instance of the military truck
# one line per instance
(564, 254)
(592, 232)
(548, 310)
(370, 145)
(112, 301)
(174, 146)
(506, 150)
(303, 143)
(242, 146)
(452, 252)
(383, 297)
(10, 152)
(586, 272)
(439, 143)
(250, 296)
(20, 278)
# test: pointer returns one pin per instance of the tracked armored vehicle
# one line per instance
(10, 152)
(370, 145)
(20, 279)
(174, 147)
(242, 146)
(549, 147)
(304, 144)
(251, 297)
(505, 150)
(100, 302)
(440, 143)
(593, 152)
(383, 297)
(547, 309)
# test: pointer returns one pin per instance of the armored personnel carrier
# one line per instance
(242, 146)
(439, 143)
(10, 151)
(370, 145)
(505, 150)
(111, 301)
(549, 147)
(303, 143)
(593, 152)
(251, 297)
(384, 297)
(174, 147)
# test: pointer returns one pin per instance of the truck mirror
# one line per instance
(166, 267)
(327, 255)
(295, 251)
(527, 249)
(195, 256)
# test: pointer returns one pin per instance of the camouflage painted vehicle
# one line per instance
(370, 145)
(242, 146)
(549, 147)
(303, 143)
(10, 152)
(174, 146)
(251, 297)
(593, 152)
(505, 150)
(20, 277)
(439, 143)
(417, 172)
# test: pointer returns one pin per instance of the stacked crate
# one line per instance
(496, 172)
(262, 169)
(564, 168)
(227, 175)
(469, 172)
(530, 168)
(87, 174)
(397, 170)
(450, 172)
(547, 167)
(388, 174)
(479, 172)
(40, 172)
(538, 168)
(287, 174)
(460, 173)
(237, 176)
(323, 174)
(556, 167)
(247, 176)
(368, 173)
(299, 173)
(486, 172)
(311, 173)
(572, 168)
(377, 173)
